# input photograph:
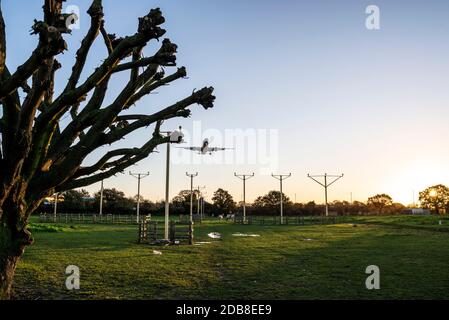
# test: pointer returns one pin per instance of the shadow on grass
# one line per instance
(285, 262)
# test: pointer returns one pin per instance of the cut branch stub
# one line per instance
(96, 9)
(207, 98)
(149, 24)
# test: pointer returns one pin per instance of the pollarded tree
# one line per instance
(38, 155)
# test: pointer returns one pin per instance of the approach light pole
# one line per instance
(175, 137)
(325, 184)
(202, 207)
(199, 198)
(281, 177)
(244, 177)
(139, 177)
(56, 206)
(101, 198)
(191, 175)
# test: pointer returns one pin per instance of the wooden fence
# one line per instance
(181, 232)
(288, 220)
(79, 218)
(185, 218)
(154, 231)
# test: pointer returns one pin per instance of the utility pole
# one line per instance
(56, 206)
(101, 198)
(281, 177)
(350, 197)
(326, 184)
(139, 177)
(244, 177)
(167, 191)
(191, 175)
(199, 200)
(202, 207)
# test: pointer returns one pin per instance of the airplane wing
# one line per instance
(214, 149)
(191, 148)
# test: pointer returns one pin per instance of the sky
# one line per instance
(302, 87)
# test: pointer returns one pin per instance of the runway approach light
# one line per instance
(177, 136)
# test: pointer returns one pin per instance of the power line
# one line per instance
(325, 184)
(139, 177)
(244, 177)
(281, 177)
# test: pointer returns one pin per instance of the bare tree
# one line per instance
(38, 155)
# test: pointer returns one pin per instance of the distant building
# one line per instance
(88, 199)
(419, 211)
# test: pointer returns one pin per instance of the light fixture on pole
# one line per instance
(325, 184)
(175, 137)
(281, 177)
(191, 175)
(244, 177)
(139, 177)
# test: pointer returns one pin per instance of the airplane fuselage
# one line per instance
(205, 147)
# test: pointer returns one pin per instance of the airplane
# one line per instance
(205, 149)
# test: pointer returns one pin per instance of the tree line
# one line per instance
(434, 198)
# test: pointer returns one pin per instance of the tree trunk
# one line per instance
(12, 246)
(7, 268)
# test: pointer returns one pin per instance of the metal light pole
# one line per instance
(244, 177)
(167, 192)
(139, 177)
(281, 177)
(191, 175)
(56, 206)
(202, 207)
(198, 200)
(101, 198)
(325, 185)
(175, 137)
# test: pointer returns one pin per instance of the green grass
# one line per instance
(285, 262)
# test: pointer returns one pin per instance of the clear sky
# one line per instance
(338, 98)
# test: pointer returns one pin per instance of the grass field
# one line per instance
(284, 262)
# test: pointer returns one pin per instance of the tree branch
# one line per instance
(96, 13)
(130, 158)
(202, 97)
(2, 42)
(50, 44)
(150, 87)
(148, 29)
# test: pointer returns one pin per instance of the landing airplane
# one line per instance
(205, 149)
